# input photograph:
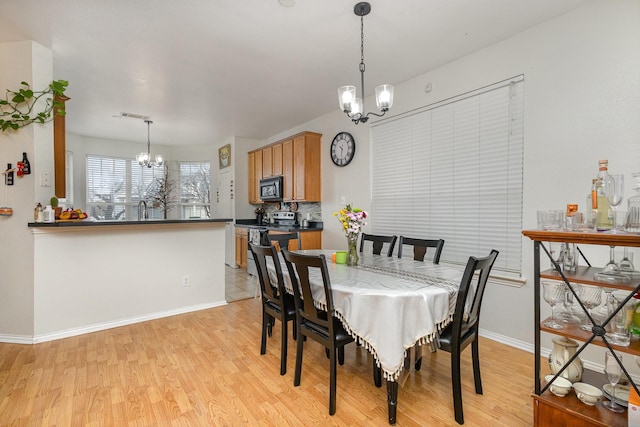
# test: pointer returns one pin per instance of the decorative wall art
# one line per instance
(224, 156)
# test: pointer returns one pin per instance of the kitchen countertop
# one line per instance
(90, 223)
(252, 223)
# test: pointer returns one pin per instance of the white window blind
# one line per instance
(116, 185)
(195, 189)
(453, 171)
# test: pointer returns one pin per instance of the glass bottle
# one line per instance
(633, 207)
(591, 206)
(8, 175)
(38, 213)
(26, 170)
(604, 219)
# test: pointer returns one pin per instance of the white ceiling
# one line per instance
(207, 70)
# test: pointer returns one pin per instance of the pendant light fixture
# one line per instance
(144, 159)
(347, 99)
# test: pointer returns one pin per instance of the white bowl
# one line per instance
(560, 386)
(588, 394)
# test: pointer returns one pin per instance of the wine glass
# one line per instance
(553, 293)
(591, 297)
(614, 186)
(614, 372)
(611, 271)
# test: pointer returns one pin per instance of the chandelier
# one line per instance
(144, 159)
(349, 103)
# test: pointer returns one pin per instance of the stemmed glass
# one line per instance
(614, 186)
(614, 372)
(591, 297)
(553, 293)
(567, 315)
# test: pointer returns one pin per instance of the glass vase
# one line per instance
(352, 253)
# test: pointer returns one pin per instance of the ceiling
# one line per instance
(208, 70)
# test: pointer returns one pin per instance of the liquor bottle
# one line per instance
(38, 213)
(591, 205)
(8, 175)
(604, 220)
(26, 170)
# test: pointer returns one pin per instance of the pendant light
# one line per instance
(144, 159)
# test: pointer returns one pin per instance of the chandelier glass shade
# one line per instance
(347, 95)
(144, 159)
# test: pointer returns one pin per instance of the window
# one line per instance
(195, 189)
(115, 186)
(453, 171)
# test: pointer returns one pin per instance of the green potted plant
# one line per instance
(54, 205)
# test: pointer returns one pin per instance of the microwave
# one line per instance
(271, 189)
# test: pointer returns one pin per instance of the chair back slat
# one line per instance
(420, 247)
(378, 243)
(300, 267)
(470, 293)
(270, 292)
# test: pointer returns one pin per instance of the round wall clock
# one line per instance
(343, 148)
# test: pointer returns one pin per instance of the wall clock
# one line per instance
(343, 148)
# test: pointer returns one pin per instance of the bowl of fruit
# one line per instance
(73, 215)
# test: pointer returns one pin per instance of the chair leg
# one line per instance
(456, 386)
(283, 348)
(300, 347)
(332, 381)
(341, 355)
(263, 340)
(377, 375)
(270, 323)
(295, 329)
(475, 355)
(418, 363)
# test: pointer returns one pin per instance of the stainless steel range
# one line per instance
(285, 218)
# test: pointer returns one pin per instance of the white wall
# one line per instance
(582, 103)
(32, 63)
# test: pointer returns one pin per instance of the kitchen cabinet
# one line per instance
(548, 408)
(267, 162)
(255, 168)
(277, 159)
(297, 159)
(242, 245)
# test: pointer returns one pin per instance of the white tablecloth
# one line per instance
(389, 304)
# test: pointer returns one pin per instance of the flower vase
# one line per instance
(352, 254)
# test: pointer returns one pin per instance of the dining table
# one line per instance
(388, 305)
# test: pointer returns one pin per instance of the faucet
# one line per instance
(142, 207)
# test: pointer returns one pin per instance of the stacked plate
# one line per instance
(622, 394)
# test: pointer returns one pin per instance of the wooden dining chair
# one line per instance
(283, 239)
(465, 326)
(420, 247)
(276, 302)
(312, 322)
(378, 242)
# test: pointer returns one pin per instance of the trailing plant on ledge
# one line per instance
(18, 109)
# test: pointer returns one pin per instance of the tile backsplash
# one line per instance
(313, 209)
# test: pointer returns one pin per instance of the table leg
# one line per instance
(392, 400)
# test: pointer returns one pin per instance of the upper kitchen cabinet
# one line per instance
(297, 159)
(301, 168)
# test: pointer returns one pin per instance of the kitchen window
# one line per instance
(453, 171)
(116, 185)
(195, 189)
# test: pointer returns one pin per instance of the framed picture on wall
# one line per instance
(224, 156)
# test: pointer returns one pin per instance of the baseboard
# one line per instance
(24, 339)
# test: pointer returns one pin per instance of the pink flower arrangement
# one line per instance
(352, 220)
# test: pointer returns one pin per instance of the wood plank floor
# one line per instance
(205, 369)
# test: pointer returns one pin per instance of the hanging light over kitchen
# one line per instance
(144, 159)
(349, 103)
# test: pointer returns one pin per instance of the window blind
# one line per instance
(453, 171)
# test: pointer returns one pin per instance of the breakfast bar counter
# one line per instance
(94, 275)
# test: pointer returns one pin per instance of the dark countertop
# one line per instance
(252, 223)
(89, 223)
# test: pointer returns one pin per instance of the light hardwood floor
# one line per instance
(205, 369)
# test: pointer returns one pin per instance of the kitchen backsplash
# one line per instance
(313, 209)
